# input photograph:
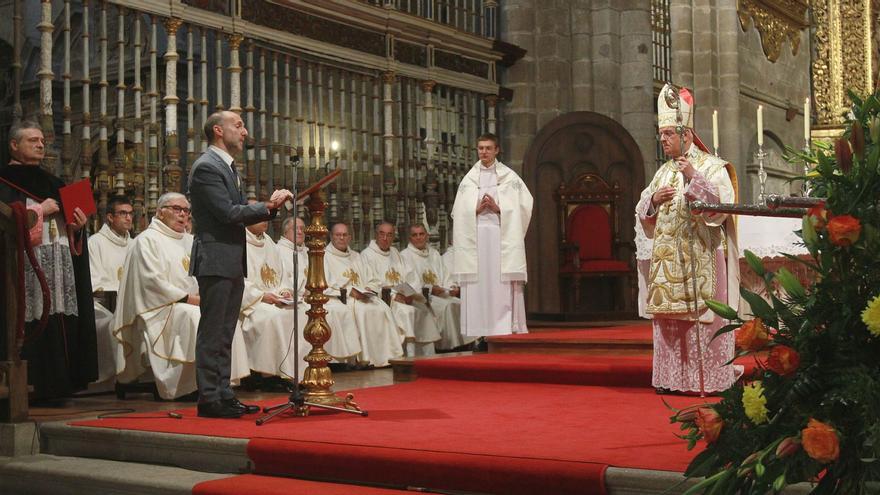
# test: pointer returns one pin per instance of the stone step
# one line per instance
(195, 452)
(61, 475)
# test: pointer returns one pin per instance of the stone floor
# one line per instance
(92, 404)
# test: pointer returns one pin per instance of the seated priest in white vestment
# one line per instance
(431, 273)
(380, 338)
(267, 314)
(157, 310)
(344, 343)
(386, 269)
(107, 250)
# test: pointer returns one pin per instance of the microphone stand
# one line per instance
(297, 399)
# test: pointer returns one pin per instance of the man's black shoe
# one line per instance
(244, 408)
(219, 409)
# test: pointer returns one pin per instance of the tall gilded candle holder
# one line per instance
(760, 155)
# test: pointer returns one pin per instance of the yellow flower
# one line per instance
(753, 401)
(871, 316)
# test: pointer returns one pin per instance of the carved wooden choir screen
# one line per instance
(403, 142)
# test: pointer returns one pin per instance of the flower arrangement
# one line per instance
(810, 412)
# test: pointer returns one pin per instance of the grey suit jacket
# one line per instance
(220, 213)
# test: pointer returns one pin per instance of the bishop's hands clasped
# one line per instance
(487, 203)
(278, 198)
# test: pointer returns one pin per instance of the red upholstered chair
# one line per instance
(589, 239)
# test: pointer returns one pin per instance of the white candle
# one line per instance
(807, 120)
(715, 131)
(760, 125)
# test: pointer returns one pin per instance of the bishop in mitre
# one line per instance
(688, 249)
(157, 309)
(344, 344)
(385, 268)
(431, 272)
(267, 315)
(379, 335)
(107, 251)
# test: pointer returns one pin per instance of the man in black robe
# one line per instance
(62, 358)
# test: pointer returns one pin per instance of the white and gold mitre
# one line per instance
(675, 106)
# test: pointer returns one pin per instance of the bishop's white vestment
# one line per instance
(344, 341)
(268, 329)
(380, 338)
(431, 272)
(490, 253)
(156, 330)
(677, 237)
(107, 251)
(388, 269)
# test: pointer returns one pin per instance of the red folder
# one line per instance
(79, 194)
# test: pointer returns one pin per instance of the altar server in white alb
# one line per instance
(491, 215)
(107, 251)
(685, 245)
(157, 311)
(380, 338)
(431, 272)
(344, 342)
(267, 310)
(386, 269)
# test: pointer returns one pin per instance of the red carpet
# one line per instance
(453, 432)
(615, 371)
(640, 332)
(273, 485)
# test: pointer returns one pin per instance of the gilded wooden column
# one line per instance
(103, 180)
(154, 178)
(86, 153)
(46, 76)
(17, 43)
(249, 111)
(119, 160)
(491, 103)
(191, 132)
(388, 175)
(67, 139)
(172, 150)
(140, 151)
(234, 69)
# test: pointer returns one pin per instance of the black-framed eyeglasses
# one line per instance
(123, 213)
(178, 209)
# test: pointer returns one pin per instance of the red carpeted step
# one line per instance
(640, 332)
(612, 371)
(426, 469)
(273, 485)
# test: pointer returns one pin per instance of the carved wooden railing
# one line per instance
(13, 371)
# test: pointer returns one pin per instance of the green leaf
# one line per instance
(722, 310)
(790, 283)
(755, 263)
(760, 307)
(779, 483)
(808, 233)
(702, 464)
(725, 329)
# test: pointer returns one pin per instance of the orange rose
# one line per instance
(783, 360)
(710, 423)
(752, 335)
(844, 230)
(818, 216)
(820, 441)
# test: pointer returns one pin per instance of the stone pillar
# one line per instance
(388, 176)
(520, 116)
(636, 81)
(581, 55)
(682, 42)
(235, 40)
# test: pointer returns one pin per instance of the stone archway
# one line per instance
(570, 145)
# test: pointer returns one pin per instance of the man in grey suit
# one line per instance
(218, 261)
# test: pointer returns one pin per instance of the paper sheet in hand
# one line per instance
(79, 194)
(405, 289)
(286, 302)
